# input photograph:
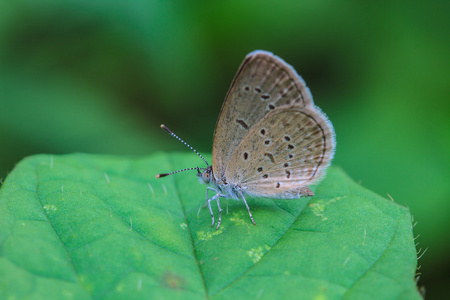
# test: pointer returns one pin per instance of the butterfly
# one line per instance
(270, 139)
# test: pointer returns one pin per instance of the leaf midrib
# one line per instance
(191, 238)
(262, 257)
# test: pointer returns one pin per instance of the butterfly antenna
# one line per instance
(175, 136)
(167, 174)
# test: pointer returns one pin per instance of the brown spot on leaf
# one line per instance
(172, 281)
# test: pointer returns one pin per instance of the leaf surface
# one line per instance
(102, 227)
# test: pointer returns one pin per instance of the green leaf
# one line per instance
(102, 227)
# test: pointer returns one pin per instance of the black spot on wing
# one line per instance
(242, 123)
(270, 156)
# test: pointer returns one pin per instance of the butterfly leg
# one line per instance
(248, 208)
(217, 196)
(220, 211)
(208, 189)
(210, 210)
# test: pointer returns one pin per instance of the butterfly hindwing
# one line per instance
(283, 153)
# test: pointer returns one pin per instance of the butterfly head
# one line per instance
(205, 175)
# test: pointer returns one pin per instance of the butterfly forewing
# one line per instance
(263, 83)
(284, 152)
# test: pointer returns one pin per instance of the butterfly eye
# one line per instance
(206, 177)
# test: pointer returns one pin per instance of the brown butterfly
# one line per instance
(270, 139)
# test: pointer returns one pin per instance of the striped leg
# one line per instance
(217, 196)
(248, 208)
(220, 212)
(208, 189)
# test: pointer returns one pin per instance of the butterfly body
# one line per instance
(270, 139)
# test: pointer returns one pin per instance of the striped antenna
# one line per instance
(175, 136)
(167, 174)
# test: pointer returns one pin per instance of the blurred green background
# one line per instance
(84, 76)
